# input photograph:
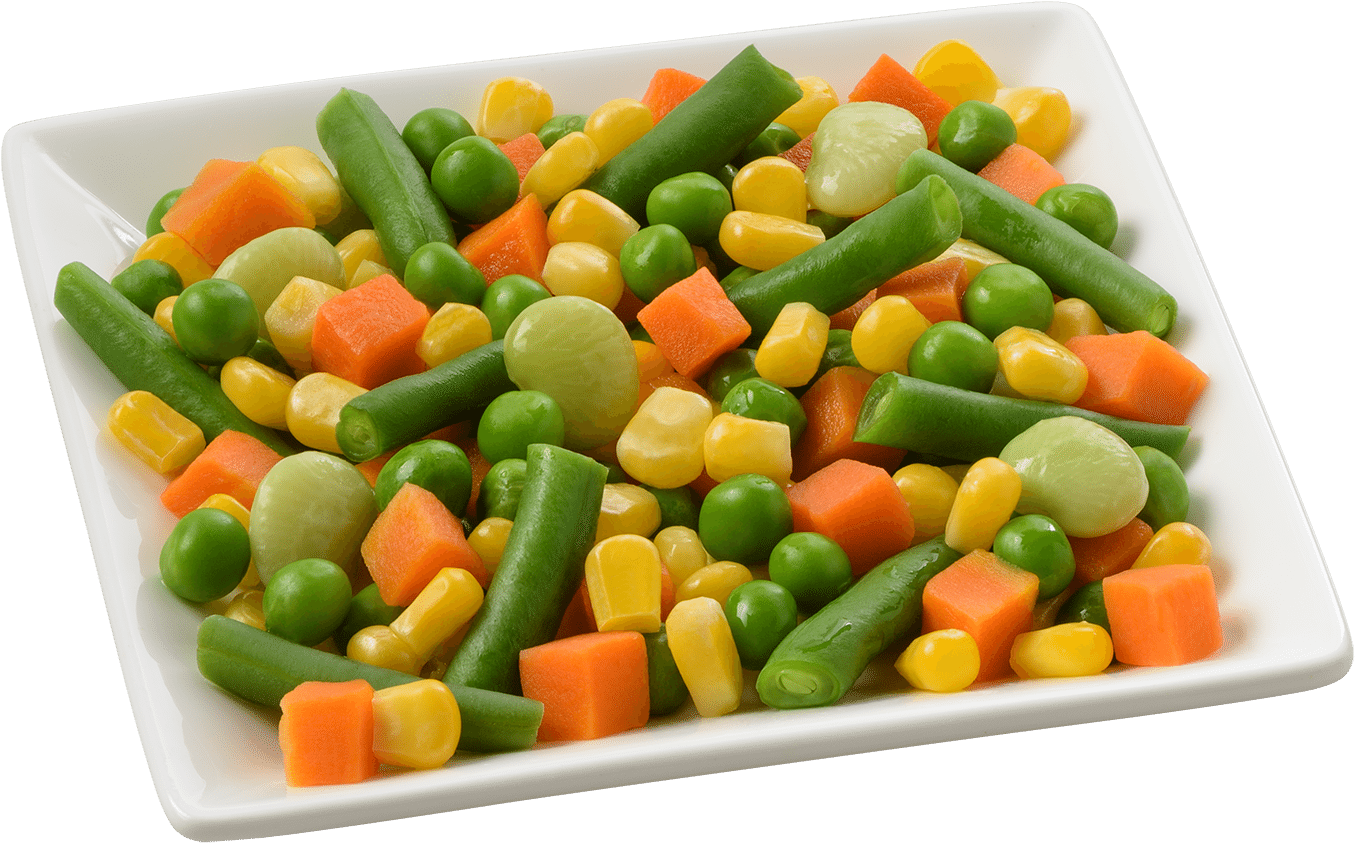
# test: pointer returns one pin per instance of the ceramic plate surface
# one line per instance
(79, 187)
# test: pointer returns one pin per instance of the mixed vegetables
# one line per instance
(538, 426)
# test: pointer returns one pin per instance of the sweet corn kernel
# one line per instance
(488, 540)
(305, 175)
(930, 492)
(164, 315)
(366, 271)
(1074, 318)
(817, 98)
(417, 725)
(246, 607)
(976, 258)
(582, 269)
(512, 106)
(445, 605)
(616, 124)
(736, 445)
(356, 247)
(258, 391)
(1066, 649)
(155, 433)
(452, 331)
(627, 509)
(562, 168)
(1177, 543)
(885, 332)
(379, 646)
(771, 185)
(943, 661)
(624, 580)
(1036, 366)
(290, 319)
(956, 72)
(1042, 117)
(175, 251)
(716, 580)
(984, 502)
(663, 443)
(313, 409)
(706, 656)
(587, 217)
(681, 551)
(762, 241)
(790, 353)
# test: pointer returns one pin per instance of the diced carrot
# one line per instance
(1099, 557)
(985, 596)
(1022, 171)
(228, 204)
(846, 318)
(800, 153)
(578, 617)
(857, 505)
(326, 733)
(233, 464)
(693, 322)
(674, 379)
(513, 243)
(591, 685)
(831, 405)
(412, 539)
(372, 468)
(888, 81)
(702, 485)
(370, 334)
(523, 151)
(1163, 615)
(936, 288)
(1138, 376)
(629, 305)
(668, 87)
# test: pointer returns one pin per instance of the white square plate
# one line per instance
(79, 187)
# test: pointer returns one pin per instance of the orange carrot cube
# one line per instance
(1163, 615)
(1138, 376)
(592, 685)
(228, 204)
(936, 288)
(832, 404)
(326, 733)
(233, 463)
(888, 81)
(1021, 171)
(412, 539)
(668, 87)
(370, 334)
(857, 505)
(693, 322)
(513, 243)
(985, 596)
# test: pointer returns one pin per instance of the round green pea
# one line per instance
(759, 398)
(1005, 295)
(813, 567)
(516, 419)
(366, 609)
(773, 140)
(475, 179)
(437, 273)
(433, 464)
(677, 506)
(1087, 604)
(955, 354)
(163, 204)
(830, 224)
(694, 203)
(148, 282)
(760, 613)
(558, 126)
(743, 518)
(306, 601)
(205, 556)
(1086, 208)
(1168, 494)
(838, 352)
(974, 132)
(501, 490)
(655, 258)
(1036, 543)
(729, 369)
(215, 320)
(432, 130)
(506, 297)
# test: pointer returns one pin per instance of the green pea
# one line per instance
(758, 398)
(508, 296)
(205, 556)
(558, 126)
(215, 320)
(1168, 494)
(501, 490)
(974, 132)
(1005, 295)
(955, 354)
(266, 353)
(147, 282)
(1087, 604)
(306, 601)
(729, 369)
(813, 567)
(163, 204)
(655, 258)
(516, 419)
(735, 275)
(773, 140)
(366, 609)
(830, 224)
(433, 464)
(1086, 208)
(677, 507)
(760, 614)
(475, 179)
(667, 691)
(837, 353)
(693, 203)
(1036, 543)
(743, 518)
(437, 273)
(636, 331)
(432, 130)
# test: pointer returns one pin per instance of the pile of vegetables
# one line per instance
(537, 427)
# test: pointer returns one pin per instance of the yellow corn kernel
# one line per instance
(417, 725)
(1074, 318)
(651, 361)
(164, 315)
(943, 661)
(681, 551)
(790, 353)
(984, 502)
(290, 319)
(736, 445)
(306, 177)
(663, 443)
(976, 258)
(488, 540)
(452, 331)
(582, 269)
(246, 607)
(356, 247)
(1042, 116)
(706, 656)
(443, 606)
(616, 124)
(155, 433)
(366, 271)
(379, 646)
(1177, 543)
(771, 185)
(885, 332)
(817, 98)
(175, 251)
(956, 73)
(624, 580)
(930, 492)
(627, 509)
(226, 503)
(716, 581)
(762, 241)
(1066, 649)
(512, 106)
(258, 391)
(1036, 366)
(587, 217)
(313, 409)
(562, 168)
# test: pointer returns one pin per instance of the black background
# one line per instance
(1239, 147)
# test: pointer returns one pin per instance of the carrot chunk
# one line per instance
(693, 322)
(1098, 557)
(845, 319)
(668, 87)
(228, 204)
(857, 505)
(888, 81)
(370, 334)
(936, 288)
(831, 405)
(326, 733)
(985, 596)
(513, 243)
(412, 539)
(523, 151)
(1163, 615)
(801, 152)
(592, 685)
(1021, 171)
(232, 464)
(1138, 376)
